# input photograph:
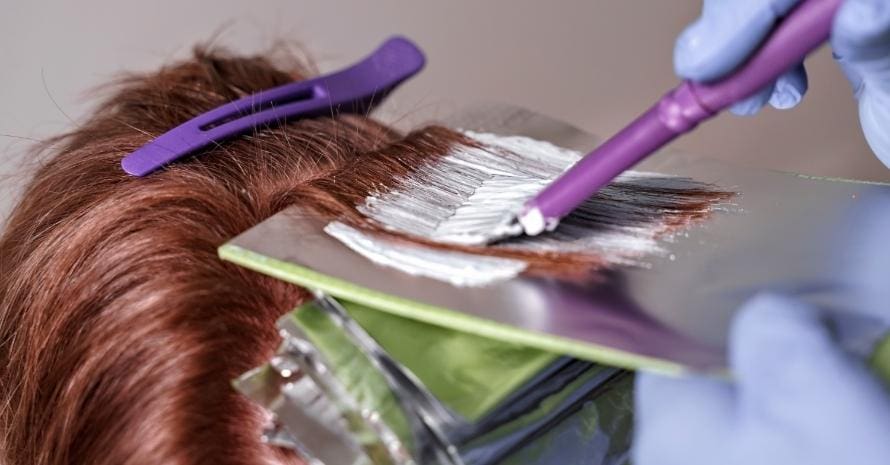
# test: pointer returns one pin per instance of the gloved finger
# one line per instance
(778, 348)
(724, 36)
(874, 116)
(785, 93)
(861, 35)
(751, 105)
(861, 43)
(852, 74)
(674, 416)
(791, 375)
(790, 88)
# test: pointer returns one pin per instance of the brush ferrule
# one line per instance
(533, 221)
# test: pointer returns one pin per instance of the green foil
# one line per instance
(363, 384)
(469, 374)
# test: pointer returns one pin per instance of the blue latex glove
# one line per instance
(729, 30)
(797, 399)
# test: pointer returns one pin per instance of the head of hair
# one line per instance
(120, 329)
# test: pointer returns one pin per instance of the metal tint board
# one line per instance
(786, 233)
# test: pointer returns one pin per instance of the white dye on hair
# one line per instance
(458, 198)
(457, 268)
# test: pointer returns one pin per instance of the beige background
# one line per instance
(594, 63)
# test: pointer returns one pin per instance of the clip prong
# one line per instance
(356, 89)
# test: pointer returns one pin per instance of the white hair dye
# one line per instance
(459, 197)
(457, 268)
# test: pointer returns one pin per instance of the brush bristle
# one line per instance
(462, 197)
(469, 196)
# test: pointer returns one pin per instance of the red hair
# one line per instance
(120, 329)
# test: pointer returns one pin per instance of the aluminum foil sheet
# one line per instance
(338, 397)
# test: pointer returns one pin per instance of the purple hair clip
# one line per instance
(356, 89)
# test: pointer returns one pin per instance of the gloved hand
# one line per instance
(796, 399)
(729, 30)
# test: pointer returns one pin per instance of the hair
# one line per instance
(654, 205)
(120, 329)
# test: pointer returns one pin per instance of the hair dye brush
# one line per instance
(804, 29)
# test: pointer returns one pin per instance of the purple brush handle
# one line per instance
(353, 90)
(802, 31)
